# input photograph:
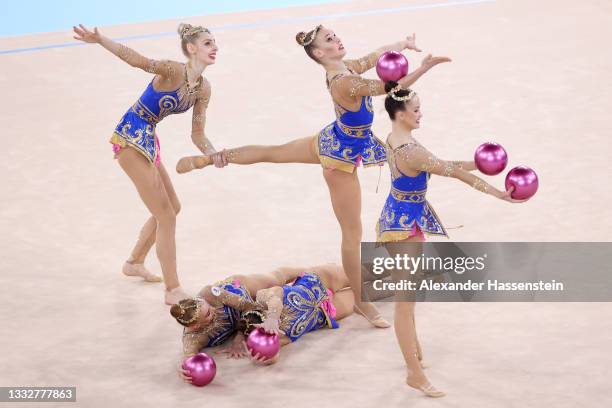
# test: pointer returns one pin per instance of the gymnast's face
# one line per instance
(411, 116)
(206, 316)
(328, 45)
(203, 49)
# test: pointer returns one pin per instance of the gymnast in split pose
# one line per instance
(407, 216)
(340, 146)
(289, 302)
(175, 88)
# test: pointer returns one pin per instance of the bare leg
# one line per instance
(151, 189)
(345, 193)
(134, 266)
(344, 302)
(296, 151)
(405, 331)
(332, 276)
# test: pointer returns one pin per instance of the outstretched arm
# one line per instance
(414, 157)
(166, 69)
(353, 86)
(469, 165)
(366, 63)
(192, 344)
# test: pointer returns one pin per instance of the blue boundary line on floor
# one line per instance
(267, 23)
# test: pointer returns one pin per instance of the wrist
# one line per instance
(495, 192)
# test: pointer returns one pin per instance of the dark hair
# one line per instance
(391, 105)
(249, 319)
(185, 311)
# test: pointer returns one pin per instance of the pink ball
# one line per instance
(267, 345)
(491, 158)
(524, 180)
(391, 66)
(202, 369)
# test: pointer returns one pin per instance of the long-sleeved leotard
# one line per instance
(406, 211)
(137, 126)
(231, 299)
(349, 140)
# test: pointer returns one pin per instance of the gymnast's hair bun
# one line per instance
(300, 38)
(389, 85)
(176, 311)
(183, 28)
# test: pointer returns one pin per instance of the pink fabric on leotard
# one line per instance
(416, 231)
(358, 162)
(328, 304)
(117, 148)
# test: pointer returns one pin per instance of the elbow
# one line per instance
(197, 137)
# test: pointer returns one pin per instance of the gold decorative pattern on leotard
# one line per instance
(167, 105)
(409, 196)
(299, 311)
(355, 131)
(389, 216)
(402, 221)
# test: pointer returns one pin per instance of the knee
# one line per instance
(166, 215)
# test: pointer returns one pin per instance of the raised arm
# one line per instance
(165, 69)
(366, 63)
(198, 122)
(354, 86)
(414, 157)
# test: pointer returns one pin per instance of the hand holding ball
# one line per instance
(202, 369)
(262, 343)
(524, 180)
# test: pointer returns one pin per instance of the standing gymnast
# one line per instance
(175, 88)
(342, 145)
(407, 215)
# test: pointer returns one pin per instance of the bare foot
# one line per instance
(188, 163)
(173, 296)
(422, 384)
(130, 269)
(372, 315)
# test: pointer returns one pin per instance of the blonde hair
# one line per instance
(186, 311)
(189, 34)
(306, 39)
